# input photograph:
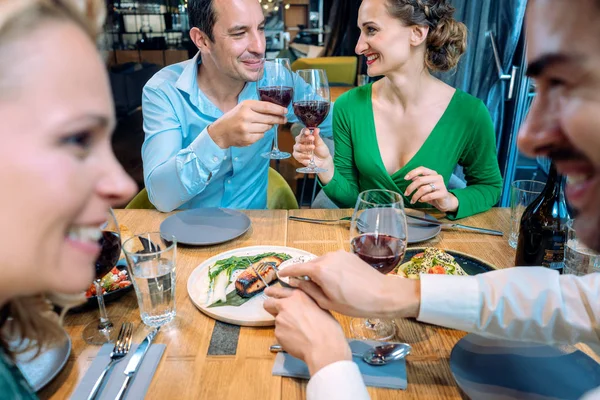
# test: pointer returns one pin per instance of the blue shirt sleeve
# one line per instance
(173, 174)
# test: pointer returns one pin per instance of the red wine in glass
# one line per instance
(280, 95)
(382, 252)
(311, 112)
(276, 86)
(109, 255)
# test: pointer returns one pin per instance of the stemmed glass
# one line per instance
(378, 235)
(102, 332)
(276, 86)
(311, 106)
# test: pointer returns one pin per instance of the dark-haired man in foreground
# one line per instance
(205, 127)
(528, 304)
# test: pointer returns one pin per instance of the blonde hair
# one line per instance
(447, 38)
(33, 319)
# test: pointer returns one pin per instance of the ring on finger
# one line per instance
(433, 188)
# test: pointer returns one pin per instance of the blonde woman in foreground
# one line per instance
(57, 171)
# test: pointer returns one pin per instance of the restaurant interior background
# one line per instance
(141, 37)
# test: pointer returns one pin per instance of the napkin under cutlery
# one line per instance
(138, 386)
(391, 376)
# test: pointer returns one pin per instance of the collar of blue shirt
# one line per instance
(188, 84)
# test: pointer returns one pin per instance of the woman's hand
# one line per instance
(307, 143)
(428, 187)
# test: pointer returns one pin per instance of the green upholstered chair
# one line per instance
(340, 70)
(279, 195)
(140, 202)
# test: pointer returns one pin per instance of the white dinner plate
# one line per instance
(252, 312)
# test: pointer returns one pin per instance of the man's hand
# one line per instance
(306, 331)
(246, 123)
(344, 283)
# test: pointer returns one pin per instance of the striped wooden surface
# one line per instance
(187, 372)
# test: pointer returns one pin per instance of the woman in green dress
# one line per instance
(408, 131)
(57, 171)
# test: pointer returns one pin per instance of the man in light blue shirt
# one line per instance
(205, 127)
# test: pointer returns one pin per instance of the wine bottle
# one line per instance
(543, 230)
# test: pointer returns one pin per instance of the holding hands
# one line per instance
(304, 330)
(344, 283)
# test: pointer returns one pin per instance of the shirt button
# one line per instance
(229, 181)
(235, 159)
(225, 158)
(215, 159)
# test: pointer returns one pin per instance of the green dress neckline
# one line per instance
(401, 173)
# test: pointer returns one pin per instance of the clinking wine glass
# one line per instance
(103, 331)
(378, 235)
(311, 106)
(276, 86)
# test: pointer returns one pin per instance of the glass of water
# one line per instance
(522, 194)
(579, 259)
(151, 259)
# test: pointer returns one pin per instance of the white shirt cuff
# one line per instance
(341, 380)
(451, 301)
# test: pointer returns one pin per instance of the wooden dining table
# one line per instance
(188, 371)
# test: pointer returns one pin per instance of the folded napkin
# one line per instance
(391, 376)
(137, 387)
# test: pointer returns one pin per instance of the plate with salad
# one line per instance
(431, 260)
(229, 287)
(115, 284)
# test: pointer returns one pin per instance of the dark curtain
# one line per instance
(344, 34)
(477, 73)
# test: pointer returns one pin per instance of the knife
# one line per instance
(456, 226)
(134, 363)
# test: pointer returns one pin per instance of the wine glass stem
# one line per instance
(104, 321)
(311, 163)
(275, 144)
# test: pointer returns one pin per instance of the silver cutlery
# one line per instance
(377, 355)
(359, 223)
(122, 346)
(265, 265)
(362, 225)
(425, 222)
(135, 362)
(262, 267)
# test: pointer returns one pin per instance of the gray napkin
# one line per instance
(137, 387)
(391, 376)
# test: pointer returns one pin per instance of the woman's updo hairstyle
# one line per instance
(447, 38)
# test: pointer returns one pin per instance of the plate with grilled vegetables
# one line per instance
(431, 260)
(229, 287)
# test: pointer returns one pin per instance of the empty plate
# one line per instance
(206, 226)
(495, 369)
(383, 218)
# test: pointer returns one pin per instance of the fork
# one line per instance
(362, 225)
(263, 266)
(122, 346)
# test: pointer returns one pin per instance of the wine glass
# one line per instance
(103, 332)
(378, 235)
(311, 106)
(277, 87)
